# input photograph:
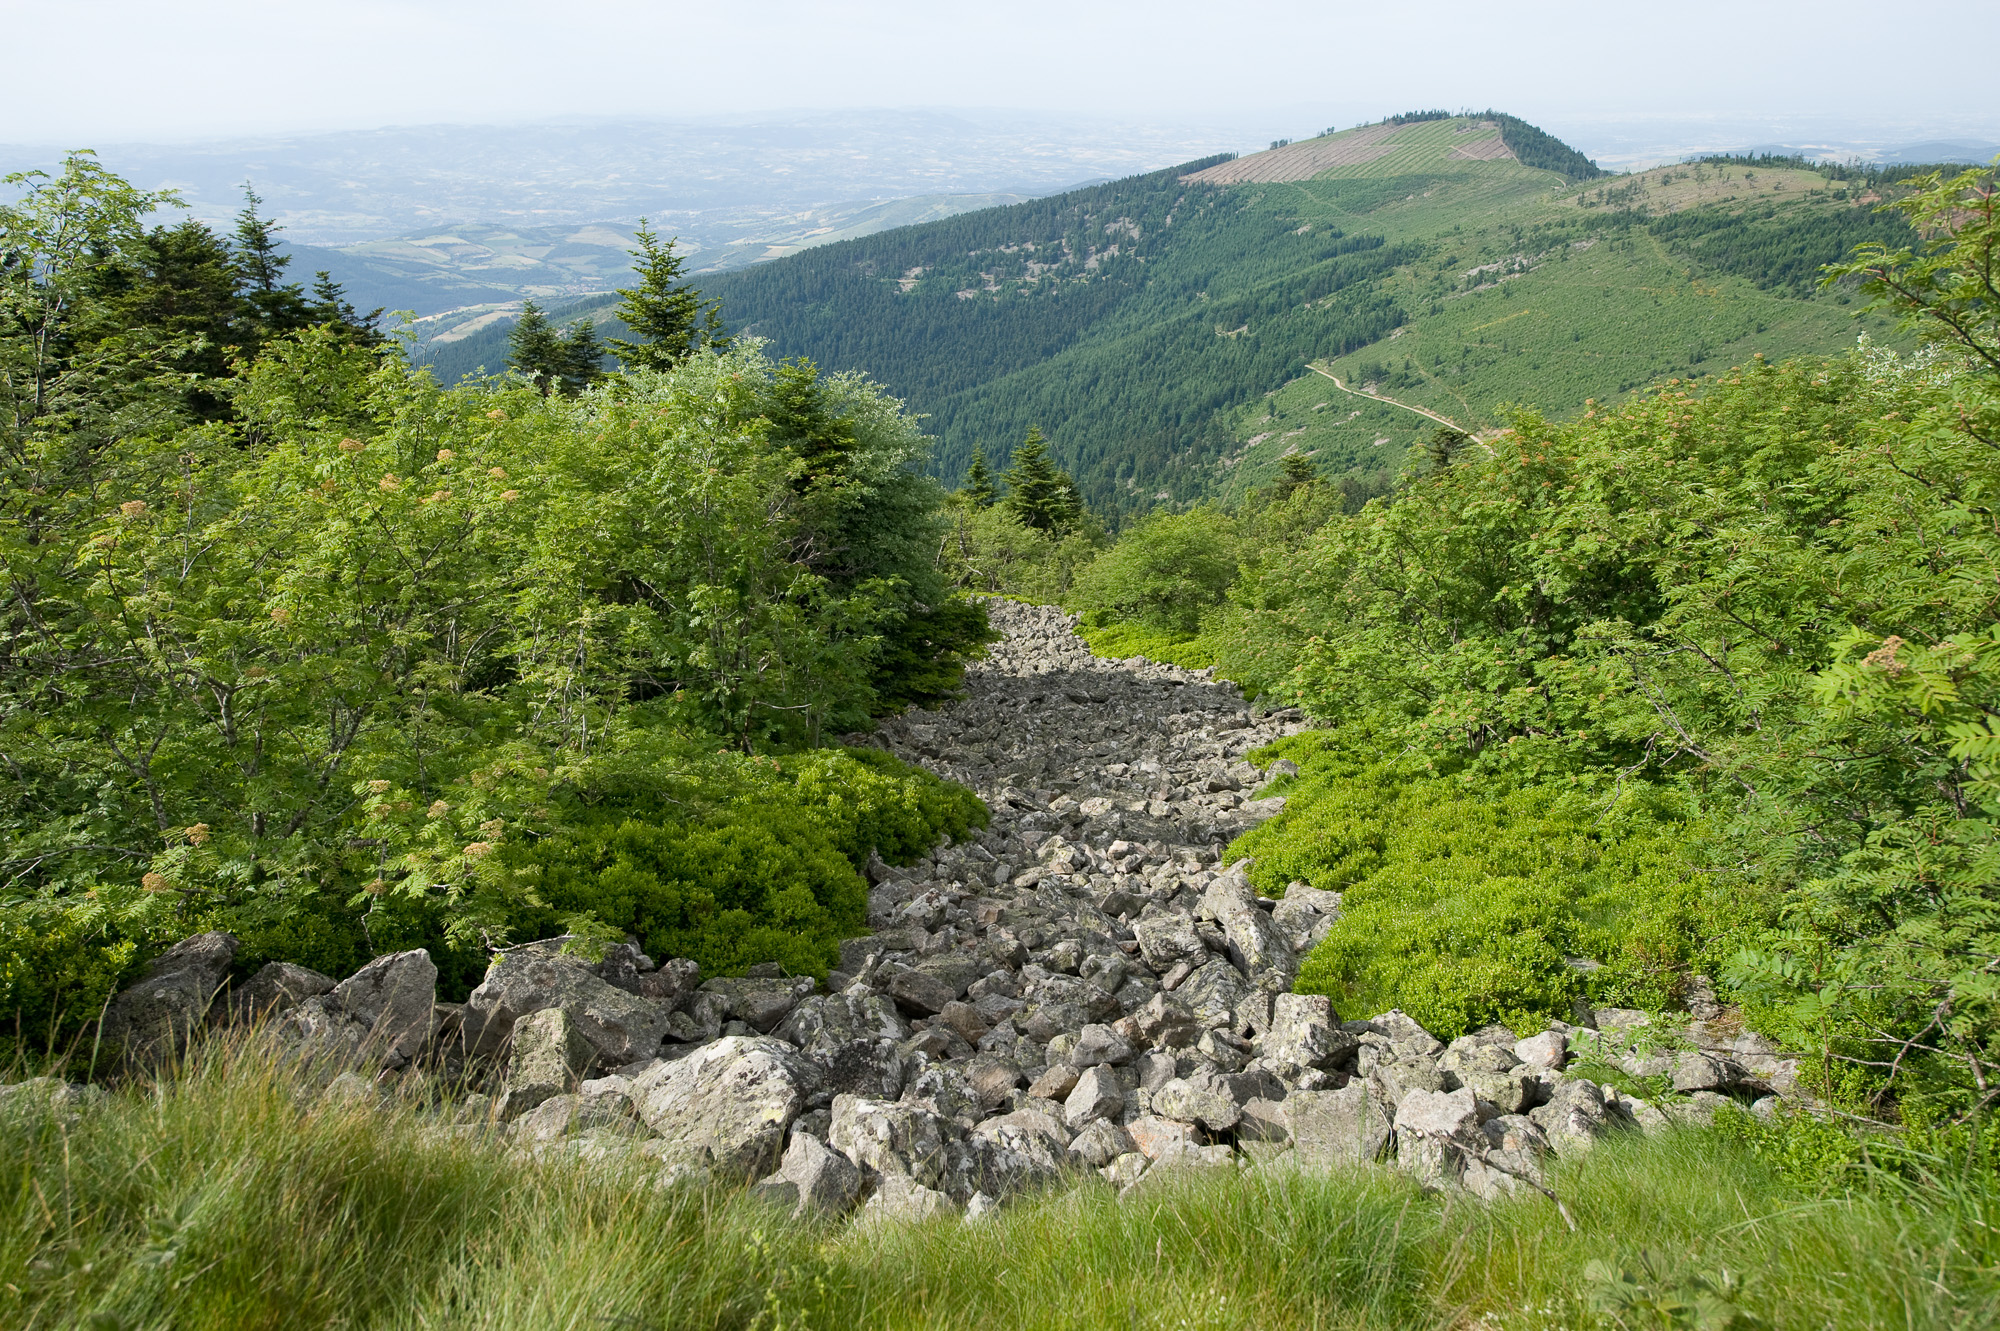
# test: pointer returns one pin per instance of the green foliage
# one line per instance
(1039, 494)
(566, 360)
(1949, 288)
(734, 861)
(316, 668)
(667, 317)
(1465, 904)
(1778, 248)
(1123, 638)
(1542, 150)
(991, 550)
(979, 488)
(1164, 572)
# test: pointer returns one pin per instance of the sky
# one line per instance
(98, 71)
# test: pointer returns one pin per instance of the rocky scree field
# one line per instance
(1084, 985)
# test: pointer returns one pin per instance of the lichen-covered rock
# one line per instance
(886, 1138)
(853, 1037)
(620, 1027)
(1339, 1128)
(547, 1058)
(727, 1106)
(274, 990)
(153, 1018)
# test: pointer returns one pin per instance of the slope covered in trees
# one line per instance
(1141, 324)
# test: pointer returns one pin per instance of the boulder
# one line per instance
(759, 1003)
(546, 1059)
(1212, 992)
(1098, 1043)
(822, 1181)
(727, 1106)
(1100, 1144)
(274, 990)
(901, 1199)
(1166, 1022)
(1169, 938)
(382, 1013)
(1305, 1033)
(886, 1138)
(1204, 1096)
(1157, 1137)
(1436, 1131)
(620, 1027)
(853, 1038)
(153, 1018)
(1335, 1129)
(920, 993)
(1095, 1096)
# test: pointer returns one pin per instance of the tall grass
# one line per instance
(234, 1196)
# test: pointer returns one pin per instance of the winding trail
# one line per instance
(1390, 401)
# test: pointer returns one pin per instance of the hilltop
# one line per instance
(1161, 328)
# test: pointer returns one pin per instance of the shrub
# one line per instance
(1465, 904)
(1165, 573)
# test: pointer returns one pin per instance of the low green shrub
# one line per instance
(1125, 638)
(1468, 903)
(768, 872)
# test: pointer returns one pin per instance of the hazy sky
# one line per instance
(90, 71)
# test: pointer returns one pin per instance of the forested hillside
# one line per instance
(1142, 323)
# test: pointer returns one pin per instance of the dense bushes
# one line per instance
(1466, 903)
(1744, 624)
(319, 666)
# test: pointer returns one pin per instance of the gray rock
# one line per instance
(1167, 1022)
(382, 1013)
(153, 1018)
(273, 991)
(1102, 1142)
(899, 1199)
(620, 1027)
(1305, 1033)
(852, 1037)
(822, 1181)
(1334, 1129)
(1212, 993)
(1169, 938)
(1204, 1096)
(886, 1138)
(1694, 1071)
(1096, 1095)
(1550, 1049)
(1158, 1137)
(760, 1003)
(1098, 1043)
(919, 992)
(547, 1058)
(727, 1106)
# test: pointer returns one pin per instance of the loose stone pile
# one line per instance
(1080, 987)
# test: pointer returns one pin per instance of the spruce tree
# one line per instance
(1295, 472)
(583, 357)
(331, 306)
(534, 349)
(1039, 493)
(1443, 445)
(271, 305)
(669, 323)
(979, 486)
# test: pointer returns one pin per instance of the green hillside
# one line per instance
(1155, 327)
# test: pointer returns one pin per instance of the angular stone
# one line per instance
(727, 1106)
(899, 1199)
(919, 992)
(1402, 1029)
(1397, 1079)
(1096, 1095)
(823, 1181)
(547, 1057)
(1100, 1044)
(993, 1080)
(1166, 1022)
(852, 1037)
(1695, 1071)
(1169, 938)
(1574, 1117)
(154, 1017)
(1212, 993)
(1263, 1121)
(1100, 1144)
(1550, 1049)
(760, 1003)
(964, 1020)
(1438, 1113)
(622, 1028)
(1156, 1137)
(1340, 1128)
(275, 990)
(1305, 1033)
(1056, 1083)
(1204, 1096)
(890, 1138)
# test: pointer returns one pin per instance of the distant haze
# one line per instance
(94, 71)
